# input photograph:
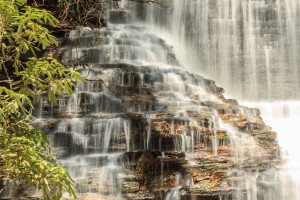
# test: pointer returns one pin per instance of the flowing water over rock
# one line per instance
(251, 48)
(284, 117)
(142, 127)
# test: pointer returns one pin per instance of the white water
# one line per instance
(251, 48)
(283, 116)
(96, 130)
(222, 39)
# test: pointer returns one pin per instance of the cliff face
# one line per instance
(141, 127)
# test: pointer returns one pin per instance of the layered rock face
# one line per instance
(142, 127)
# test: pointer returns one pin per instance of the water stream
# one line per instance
(251, 48)
(284, 117)
(135, 86)
(141, 96)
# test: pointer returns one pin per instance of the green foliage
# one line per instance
(25, 153)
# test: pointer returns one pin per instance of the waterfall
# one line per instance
(137, 98)
(284, 116)
(251, 48)
(144, 123)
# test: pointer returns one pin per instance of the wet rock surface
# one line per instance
(141, 125)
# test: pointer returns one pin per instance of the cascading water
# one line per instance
(251, 48)
(284, 116)
(100, 123)
(140, 120)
